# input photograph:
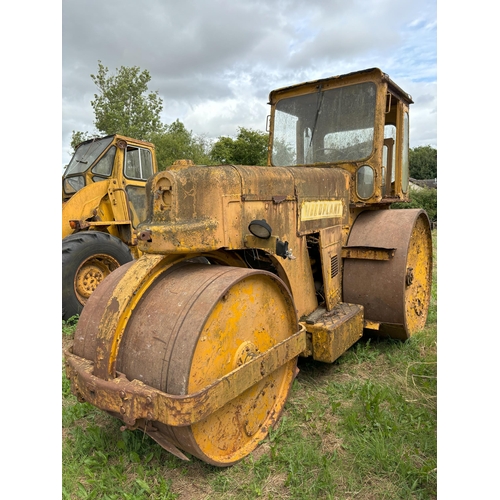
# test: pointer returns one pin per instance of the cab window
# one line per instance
(138, 163)
(104, 166)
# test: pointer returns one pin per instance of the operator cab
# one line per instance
(97, 160)
(358, 122)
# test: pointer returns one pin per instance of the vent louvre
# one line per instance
(334, 266)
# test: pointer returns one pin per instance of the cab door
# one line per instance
(138, 167)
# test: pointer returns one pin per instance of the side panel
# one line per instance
(82, 204)
(322, 198)
(331, 248)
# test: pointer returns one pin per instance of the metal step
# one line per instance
(333, 332)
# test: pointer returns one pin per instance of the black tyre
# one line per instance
(87, 258)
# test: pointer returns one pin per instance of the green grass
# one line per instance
(363, 427)
(69, 326)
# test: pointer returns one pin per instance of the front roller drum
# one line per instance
(395, 293)
(193, 325)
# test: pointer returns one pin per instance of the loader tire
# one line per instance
(87, 258)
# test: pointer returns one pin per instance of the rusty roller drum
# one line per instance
(193, 325)
(395, 293)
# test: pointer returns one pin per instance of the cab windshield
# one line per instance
(86, 154)
(85, 157)
(335, 125)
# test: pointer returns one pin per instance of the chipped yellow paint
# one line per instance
(145, 402)
(335, 332)
(418, 276)
(254, 313)
(120, 306)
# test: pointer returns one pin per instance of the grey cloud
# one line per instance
(223, 57)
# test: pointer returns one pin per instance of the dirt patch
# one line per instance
(67, 341)
(190, 480)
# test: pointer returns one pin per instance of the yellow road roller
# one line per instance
(246, 268)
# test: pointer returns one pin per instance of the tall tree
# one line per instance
(423, 162)
(249, 148)
(178, 143)
(123, 104)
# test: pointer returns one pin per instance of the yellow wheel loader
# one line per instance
(246, 268)
(104, 199)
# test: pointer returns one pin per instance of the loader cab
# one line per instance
(92, 161)
(358, 122)
(96, 160)
(125, 163)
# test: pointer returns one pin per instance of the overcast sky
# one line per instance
(215, 62)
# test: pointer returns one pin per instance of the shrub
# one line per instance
(425, 198)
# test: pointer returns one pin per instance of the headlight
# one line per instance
(260, 229)
(365, 182)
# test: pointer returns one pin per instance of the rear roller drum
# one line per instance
(195, 324)
(395, 293)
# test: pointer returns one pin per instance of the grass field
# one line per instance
(363, 427)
